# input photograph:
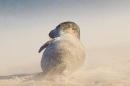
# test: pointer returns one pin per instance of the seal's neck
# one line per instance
(70, 32)
(66, 35)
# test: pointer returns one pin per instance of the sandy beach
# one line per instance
(104, 66)
(104, 32)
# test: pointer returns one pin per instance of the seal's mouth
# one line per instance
(51, 34)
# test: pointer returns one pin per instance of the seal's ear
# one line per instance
(45, 45)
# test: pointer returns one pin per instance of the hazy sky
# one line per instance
(25, 24)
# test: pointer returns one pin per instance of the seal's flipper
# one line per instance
(45, 45)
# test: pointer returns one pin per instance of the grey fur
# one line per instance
(67, 27)
(65, 54)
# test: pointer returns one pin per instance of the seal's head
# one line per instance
(65, 28)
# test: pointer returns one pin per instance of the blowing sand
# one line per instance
(104, 66)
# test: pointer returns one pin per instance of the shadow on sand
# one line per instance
(27, 77)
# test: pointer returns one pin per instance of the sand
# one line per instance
(104, 66)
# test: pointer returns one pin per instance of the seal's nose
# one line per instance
(51, 34)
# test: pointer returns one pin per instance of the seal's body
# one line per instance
(64, 53)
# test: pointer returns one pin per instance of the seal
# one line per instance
(64, 53)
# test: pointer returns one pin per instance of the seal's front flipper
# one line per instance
(45, 45)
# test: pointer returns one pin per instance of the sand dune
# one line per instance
(105, 66)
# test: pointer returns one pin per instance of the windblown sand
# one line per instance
(104, 66)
